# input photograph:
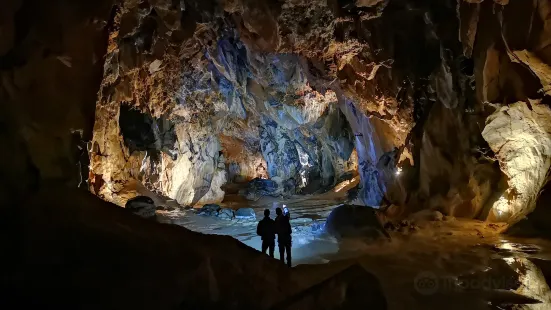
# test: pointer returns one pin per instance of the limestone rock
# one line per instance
(275, 124)
(521, 138)
(226, 214)
(245, 214)
(536, 65)
(261, 187)
(210, 210)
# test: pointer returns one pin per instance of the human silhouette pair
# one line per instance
(267, 229)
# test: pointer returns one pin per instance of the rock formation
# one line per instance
(196, 95)
(509, 42)
(50, 68)
(290, 91)
(223, 104)
(435, 104)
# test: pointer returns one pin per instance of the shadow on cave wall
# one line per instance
(142, 132)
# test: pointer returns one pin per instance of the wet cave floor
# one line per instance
(451, 264)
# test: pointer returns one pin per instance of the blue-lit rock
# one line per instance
(209, 210)
(226, 214)
(245, 214)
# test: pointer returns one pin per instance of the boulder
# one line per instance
(226, 214)
(210, 209)
(350, 221)
(142, 206)
(245, 214)
(520, 136)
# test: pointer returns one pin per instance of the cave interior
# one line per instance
(143, 140)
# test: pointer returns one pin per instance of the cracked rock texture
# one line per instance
(520, 136)
(511, 45)
(292, 91)
(234, 114)
(198, 95)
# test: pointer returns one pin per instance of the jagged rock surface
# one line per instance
(287, 91)
(234, 73)
(225, 94)
(520, 136)
(512, 66)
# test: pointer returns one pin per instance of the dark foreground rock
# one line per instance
(349, 221)
(70, 250)
(348, 289)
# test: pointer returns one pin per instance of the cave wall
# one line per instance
(238, 112)
(227, 71)
(409, 93)
(263, 89)
(64, 240)
(510, 44)
(51, 56)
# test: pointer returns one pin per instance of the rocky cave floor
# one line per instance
(466, 260)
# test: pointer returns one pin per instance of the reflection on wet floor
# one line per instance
(456, 264)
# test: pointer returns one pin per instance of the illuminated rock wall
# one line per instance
(510, 42)
(521, 138)
(288, 90)
(233, 113)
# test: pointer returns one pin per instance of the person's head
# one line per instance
(267, 213)
(278, 211)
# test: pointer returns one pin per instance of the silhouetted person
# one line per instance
(266, 230)
(283, 230)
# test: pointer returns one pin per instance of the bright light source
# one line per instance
(509, 260)
(398, 170)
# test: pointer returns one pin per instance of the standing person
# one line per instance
(266, 230)
(283, 229)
